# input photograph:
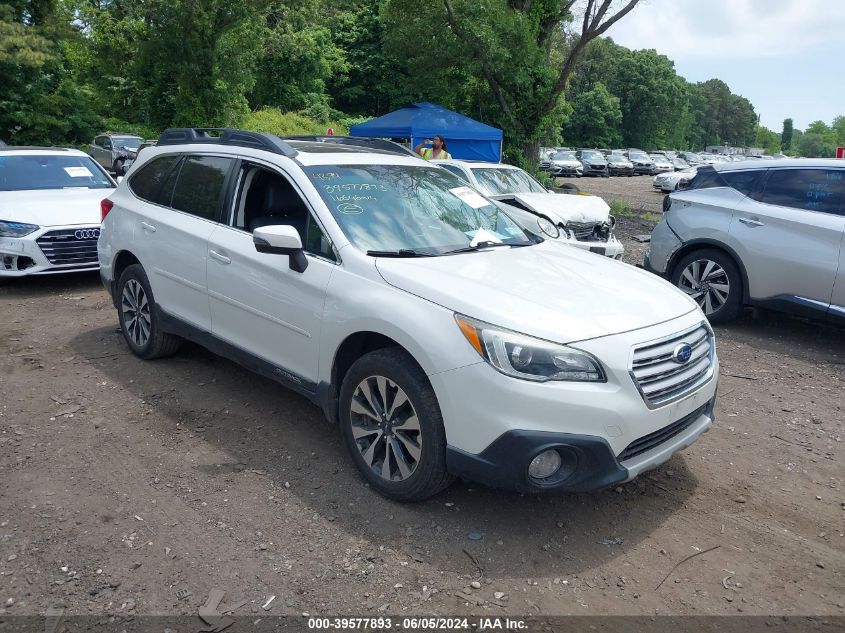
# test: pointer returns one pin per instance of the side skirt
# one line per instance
(294, 382)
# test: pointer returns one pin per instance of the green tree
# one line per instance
(651, 95)
(595, 119)
(40, 100)
(297, 57)
(815, 145)
(786, 135)
(767, 139)
(371, 82)
(508, 60)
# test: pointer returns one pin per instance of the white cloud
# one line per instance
(688, 30)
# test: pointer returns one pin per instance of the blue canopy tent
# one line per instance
(466, 138)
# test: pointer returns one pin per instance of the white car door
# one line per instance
(789, 237)
(258, 302)
(173, 228)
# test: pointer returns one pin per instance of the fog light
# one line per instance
(544, 465)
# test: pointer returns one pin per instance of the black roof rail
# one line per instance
(356, 141)
(226, 136)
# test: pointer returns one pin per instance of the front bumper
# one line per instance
(588, 462)
(612, 248)
(24, 256)
(590, 170)
(620, 170)
(643, 169)
(495, 425)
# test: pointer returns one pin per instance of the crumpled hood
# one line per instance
(549, 290)
(563, 207)
(53, 207)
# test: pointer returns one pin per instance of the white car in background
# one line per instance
(49, 210)
(583, 221)
(668, 182)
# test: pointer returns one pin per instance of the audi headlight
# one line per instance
(529, 358)
(16, 229)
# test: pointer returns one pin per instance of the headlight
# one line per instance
(16, 229)
(548, 227)
(529, 358)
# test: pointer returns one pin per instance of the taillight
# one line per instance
(105, 206)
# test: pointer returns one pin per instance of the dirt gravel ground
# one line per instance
(637, 191)
(133, 487)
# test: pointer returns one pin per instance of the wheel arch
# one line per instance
(353, 347)
(122, 260)
(704, 243)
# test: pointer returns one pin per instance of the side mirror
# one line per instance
(281, 239)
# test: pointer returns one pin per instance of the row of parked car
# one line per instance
(564, 161)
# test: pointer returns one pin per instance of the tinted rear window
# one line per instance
(146, 182)
(808, 189)
(743, 181)
(199, 190)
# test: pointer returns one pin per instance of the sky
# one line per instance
(785, 56)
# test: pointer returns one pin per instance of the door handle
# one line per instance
(148, 227)
(751, 222)
(220, 258)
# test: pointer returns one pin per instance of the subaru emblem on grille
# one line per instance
(87, 234)
(682, 353)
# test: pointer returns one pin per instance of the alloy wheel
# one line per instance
(136, 312)
(386, 428)
(707, 282)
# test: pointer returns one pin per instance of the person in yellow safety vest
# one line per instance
(438, 149)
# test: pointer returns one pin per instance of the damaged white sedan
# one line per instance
(579, 220)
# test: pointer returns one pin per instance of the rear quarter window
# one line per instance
(146, 183)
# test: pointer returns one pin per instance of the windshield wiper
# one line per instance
(402, 252)
(480, 246)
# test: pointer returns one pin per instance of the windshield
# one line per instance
(565, 156)
(501, 181)
(592, 155)
(425, 209)
(126, 141)
(39, 171)
(638, 155)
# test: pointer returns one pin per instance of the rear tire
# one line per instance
(399, 449)
(119, 169)
(138, 316)
(712, 279)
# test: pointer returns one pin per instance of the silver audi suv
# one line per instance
(768, 234)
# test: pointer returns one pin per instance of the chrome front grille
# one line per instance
(661, 377)
(588, 231)
(70, 246)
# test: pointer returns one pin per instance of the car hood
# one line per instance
(560, 207)
(53, 207)
(549, 290)
(568, 163)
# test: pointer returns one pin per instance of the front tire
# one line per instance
(712, 279)
(392, 426)
(139, 321)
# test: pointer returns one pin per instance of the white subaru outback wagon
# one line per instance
(441, 337)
